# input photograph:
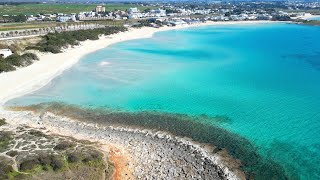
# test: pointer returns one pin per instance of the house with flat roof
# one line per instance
(100, 9)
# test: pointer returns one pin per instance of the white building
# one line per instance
(5, 53)
(133, 10)
(64, 18)
(159, 12)
(100, 9)
(134, 13)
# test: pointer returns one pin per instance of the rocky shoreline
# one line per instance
(151, 154)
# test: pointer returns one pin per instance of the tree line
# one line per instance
(46, 30)
(54, 42)
(13, 61)
(13, 18)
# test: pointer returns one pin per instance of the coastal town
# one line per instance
(154, 15)
(219, 11)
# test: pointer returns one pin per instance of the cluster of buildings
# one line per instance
(53, 17)
(134, 13)
(240, 17)
(99, 13)
(298, 5)
(216, 11)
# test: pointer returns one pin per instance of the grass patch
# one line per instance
(5, 140)
(18, 175)
(7, 172)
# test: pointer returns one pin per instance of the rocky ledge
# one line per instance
(150, 154)
(29, 153)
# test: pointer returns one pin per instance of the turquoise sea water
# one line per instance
(265, 78)
(314, 18)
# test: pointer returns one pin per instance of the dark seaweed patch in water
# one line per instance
(313, 60)
(181, 125)
(304, 158)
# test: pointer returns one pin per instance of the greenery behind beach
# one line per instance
(15, 61)
(54, 42)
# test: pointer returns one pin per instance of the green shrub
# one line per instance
(72, 158)
(56, 163)
(2, 121)
(29, 164)
(64, 145)
(44, 159)
(92, 156)
(15, 60)
(51, 48)
(37, 133)
(30, 56)
(6, 67)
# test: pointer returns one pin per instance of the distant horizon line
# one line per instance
(137, 1)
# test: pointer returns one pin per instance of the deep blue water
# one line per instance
(265, 78)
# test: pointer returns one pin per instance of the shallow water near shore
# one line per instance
(264, 79)
(314, 18)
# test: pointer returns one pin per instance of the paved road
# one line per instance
(20, 37)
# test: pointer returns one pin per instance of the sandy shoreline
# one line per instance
(31, 78)
(308, 16)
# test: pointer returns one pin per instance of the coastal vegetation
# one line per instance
(13, 18)
(54, 42)
(5, 140)
(148, 23)
(2, 121)
(14, 61)
(33, 154)
(309, 22)
(281, 18)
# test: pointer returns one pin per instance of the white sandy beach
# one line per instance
(28, 79)
(306, 17)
